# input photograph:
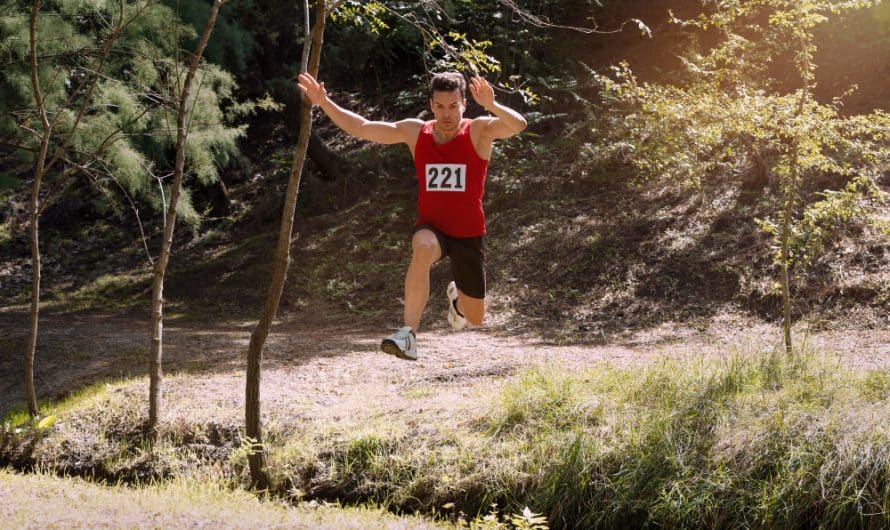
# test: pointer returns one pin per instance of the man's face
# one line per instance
(448, 109)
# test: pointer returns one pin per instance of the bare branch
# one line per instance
(35, 82)
(62, 185)
(135, 213)
(191, 110)
(539, 21)
(334, 5)
(163, 199)
(304, 61)
(30, 130)
(111, 138)
(17, 145)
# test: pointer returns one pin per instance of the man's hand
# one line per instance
(482, 93)
(505, 121)
(312, 89)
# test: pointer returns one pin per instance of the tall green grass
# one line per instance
(748, 442)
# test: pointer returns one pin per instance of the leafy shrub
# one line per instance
(732, 122)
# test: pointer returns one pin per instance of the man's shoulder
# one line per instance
(411, 123)
(410, 127)
(479, 128)
(480, 123)
(483, 120)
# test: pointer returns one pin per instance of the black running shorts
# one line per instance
(467, 260)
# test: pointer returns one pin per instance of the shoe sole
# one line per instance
(391, 348)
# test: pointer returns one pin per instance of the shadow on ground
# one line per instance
(76, 351)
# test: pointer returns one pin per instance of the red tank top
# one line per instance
(451, 183)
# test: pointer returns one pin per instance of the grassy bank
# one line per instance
(43, 501)
(744, 441)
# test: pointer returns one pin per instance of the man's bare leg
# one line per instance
(425, 251)
(473, 309)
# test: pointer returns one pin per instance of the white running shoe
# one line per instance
(457, 322)
(402, 344)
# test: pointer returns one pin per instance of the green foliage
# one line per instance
(372, 15)
(240, 455)
(445, 49)
(733, 120)
(395, 40)
(518, 32)
(125, 137)
(762, 439)
(209, 145)
(698, 133)
(876, 385)
(463, 53)
(63, 40)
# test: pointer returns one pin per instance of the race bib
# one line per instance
(446, 177)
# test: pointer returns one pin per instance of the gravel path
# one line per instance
(333, 370)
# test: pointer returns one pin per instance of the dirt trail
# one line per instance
(334, 371)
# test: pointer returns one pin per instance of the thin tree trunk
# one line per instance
(42, 167)
(253, 430)
(34, 229)
(785, 241)
(34, 216)
(160, 269)
(791, 188)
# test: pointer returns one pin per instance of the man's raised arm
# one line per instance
(381, 132)
(506, 122)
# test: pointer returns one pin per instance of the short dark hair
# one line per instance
(448, 82)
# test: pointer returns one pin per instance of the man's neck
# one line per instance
(442, 136)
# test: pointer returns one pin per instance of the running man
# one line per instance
(450, 159)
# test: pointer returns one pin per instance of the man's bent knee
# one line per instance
(425, 246)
